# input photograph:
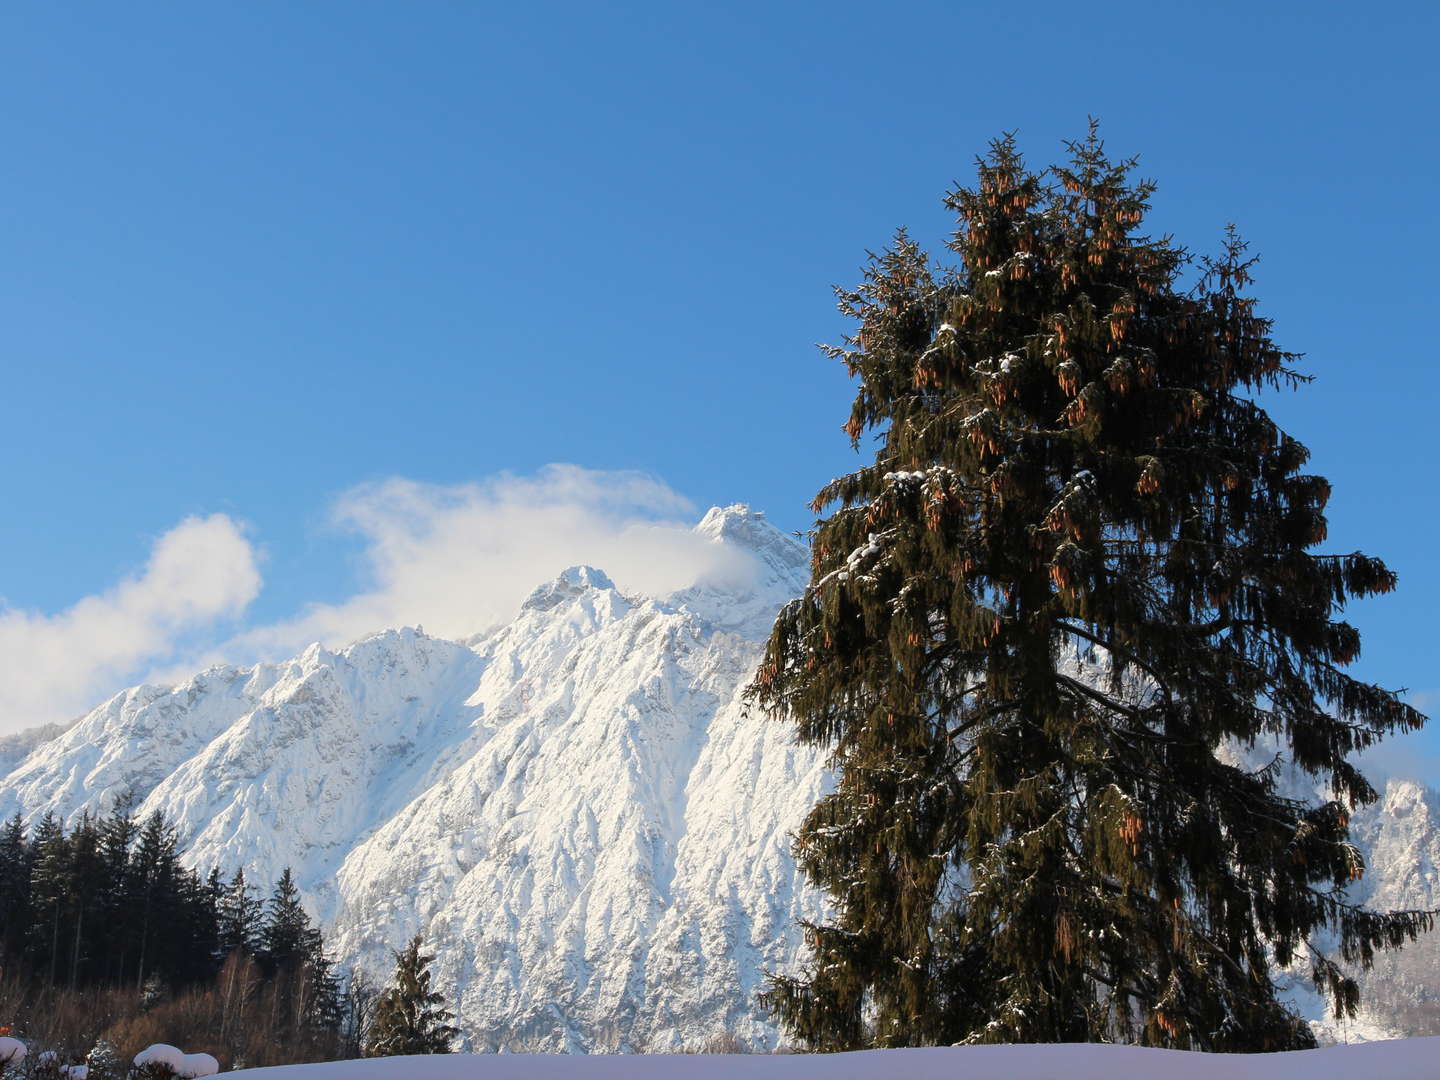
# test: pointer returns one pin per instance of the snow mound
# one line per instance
(1408, 1059)
(160, 1054)
(196, 1065)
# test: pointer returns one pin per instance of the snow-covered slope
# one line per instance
(576, 809)
(1400, 836)
(16, 748)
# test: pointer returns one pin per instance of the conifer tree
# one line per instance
(192, 940)
(150, 894)
(292, 952)
(49, 893)
(1076, 577)
(104, 1062)
(287, 939)
(117, 834)
(240, 914)
(323, 1005)
(85, 896)
(14, 888)
(410, 1018)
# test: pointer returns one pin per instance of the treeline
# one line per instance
(106, 937)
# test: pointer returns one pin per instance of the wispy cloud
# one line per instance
(459, 559)
(53, 667)
(455, 559)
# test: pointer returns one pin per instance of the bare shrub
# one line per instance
(726, 1042)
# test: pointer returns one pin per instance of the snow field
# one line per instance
(1401, 1059)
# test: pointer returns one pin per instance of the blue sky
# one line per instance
(326, 269)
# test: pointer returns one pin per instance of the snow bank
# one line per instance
(186, 1066)
(12, 1051)
(161, 1054)
(1401, 1059)
(195, 1065)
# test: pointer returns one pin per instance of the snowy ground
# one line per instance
(1402, 1059)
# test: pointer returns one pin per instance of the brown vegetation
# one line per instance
(241, 1018)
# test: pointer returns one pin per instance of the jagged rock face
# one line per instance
(576, 810)
(1400, 838)
(16, 748)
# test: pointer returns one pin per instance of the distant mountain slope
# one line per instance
(1400, 837)
(576, 809)
(17, 747)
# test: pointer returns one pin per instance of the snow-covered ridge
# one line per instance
(576, 809)
(17, 747)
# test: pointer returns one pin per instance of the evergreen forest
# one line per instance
(108, 941)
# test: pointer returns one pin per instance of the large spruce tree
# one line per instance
(1076, 579)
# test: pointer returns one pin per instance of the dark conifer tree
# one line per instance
(410, 1018)
(49, 896)
(108, 890)
(191, 953)
(14, 889)
(287, 939)
(240, 915)
(292, 952)
(1077, 574)
(216, 892)
(150, 893)
(324, 1005)
(117, 835)
(105, 1063)
(85, 889)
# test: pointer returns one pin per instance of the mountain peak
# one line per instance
(568, 584)
(735, 523)
(761, 570)
(585, 577)
(751, 530)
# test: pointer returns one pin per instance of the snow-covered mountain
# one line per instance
(576, 809)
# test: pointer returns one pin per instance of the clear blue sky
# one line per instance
(259, 253)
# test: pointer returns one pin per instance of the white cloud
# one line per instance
(455, 559)
(53, 667)
(459, 559)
